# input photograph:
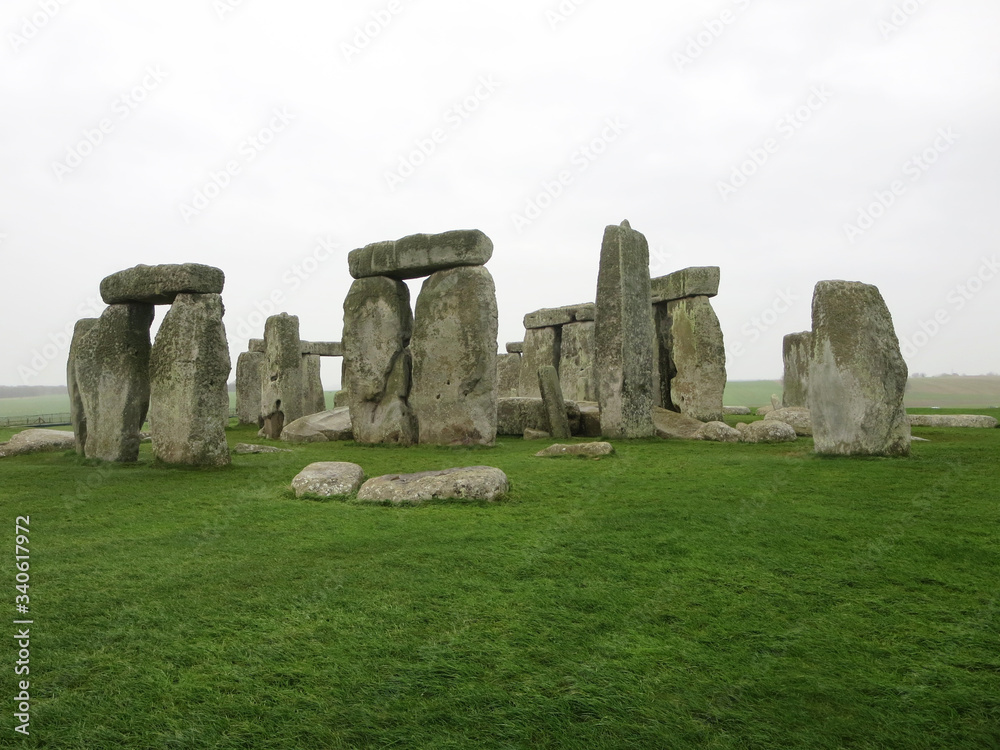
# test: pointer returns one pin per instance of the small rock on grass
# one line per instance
(328, 479)
(590, 450)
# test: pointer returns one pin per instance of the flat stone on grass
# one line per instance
(587, 450)
(463, 483)
(328, 479)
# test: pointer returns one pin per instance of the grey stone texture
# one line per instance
(952, 420)
(251, 448)
(541, 348)
(857, 375)
(796, 348)
(328, 479)
(576, 361)
(378, 324)
(766, 431)
(508, 374)
(421, 254)
(483, 483)
(738, 411)
(623, 334)
(282, 379)
(697, 281)
(112, 374)
(323, 348)
(515, 415)
(515, 347)
(587, 450)
(248, 387)
(672, 425)
(159, 285)
(552, 399)
(454, 346)
(36, 440)
(557, 316)
(590, 419)
(692, 358)
(189, 370)
(795, 416)
(530, 434)
(324, 426)
(77, 414)
(718, 432)
(314, 399)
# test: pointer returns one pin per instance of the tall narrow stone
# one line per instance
(696, 358)
(188, 371)
(857, 375)
(281, 399)
(112, 373)
(248, 387)
(378, 324)
(623, 335)
(552, 397)
(454, 349)
(796, 348)
(576, 362)
(508, 374)
(541, 349)
(77, 415)
(314, 398)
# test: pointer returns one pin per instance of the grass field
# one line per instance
(675, 595)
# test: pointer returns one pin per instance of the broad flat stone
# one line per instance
(530, 434)
(796, 349)
(952, 420)
(590, 450)
(796, 417)
(421, 254)
(697, 281)
(692, 358)
(515, 347)
(672, 425)
(37, 440)
(736, 411)
(515, 415)
(508, 374)
(328, 479)
(77, 414)
(323, 348)
(557, 316)
(250, 448)
(468, 483)
(576, 362)
(321, 427)
(159, 285)
(766, 431)
(249, 366)
(552, 399)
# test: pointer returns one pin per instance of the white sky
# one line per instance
(694, 89)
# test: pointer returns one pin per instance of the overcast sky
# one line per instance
(786, 142)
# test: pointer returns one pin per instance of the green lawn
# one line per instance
(675, 595)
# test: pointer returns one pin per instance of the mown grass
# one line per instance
(675, 595)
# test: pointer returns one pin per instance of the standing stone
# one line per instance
(796, 349)
(112, 373)
(248, 387)
(282, 385)
(508, 374)
(77, 415)
(692, 348)
(314, 398)
(552, 397)
(576, 362)
(188, 372)
(454, 358)
(623, 335)
(541, 348)
(857, 375)
(378, 324)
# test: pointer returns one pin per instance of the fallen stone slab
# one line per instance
(557, 316)
(672, 425)
(588, 450)
(328, 479)
(736, 411)
(159, 285)
(245, 448)
(330, 425)
(795, 416)
(515, 347)
(952, 420)
(323, 348)
(463, 483)
(421, 254)
(718, 432)
(37, 440)
(766, 431)
(530, 434)
(697, 281)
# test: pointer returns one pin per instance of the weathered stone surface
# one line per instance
(623, 335)
(378, 324)
(590, 419)
(952, 420)
(250, 448)
(328, 479)
(256, 346)
(718, 432)
(515, 347)
(515, 415)
(469, 483)
(796, 348)
(694, 355)
(188, 371)
(557, 316)
(589, 450)
(37, 440)
(796, 417)
(77, 415)
(112, 373)
(673, 425)
(775, 402)
(323, 348)
(530, 434)
(508, 374)
(159, 285)
(248, 387)
(421, 254)
(736, 411)
(313, 397)
(454, 347)
(764, 410)
(856, 375)
(552, 399)
(282, 380)
(323, 426)
(576, 362)
(541, 348)
(766, 431)
(697, 281)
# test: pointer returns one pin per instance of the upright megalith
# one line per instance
(454, 347)
(691, 346)
(112, 374)
(248, 387)
(623, 335)
(378, 324)
(188, 371)
(282, 381)
(159, 285)
(314, 399)
(541, 349)
(796, 349)
(576, 361)
(421, 254)
(508, 374)
(857, 375)
(552, 398)
(77, 414)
